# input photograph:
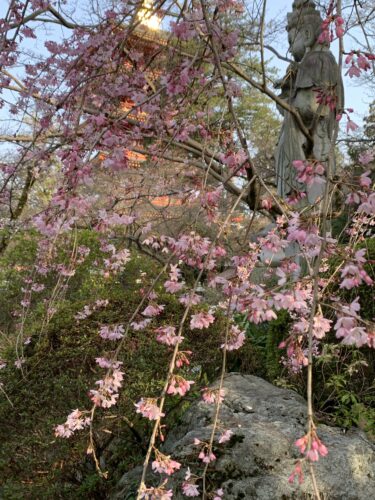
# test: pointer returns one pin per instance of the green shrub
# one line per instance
(261, 355)
(60, 369)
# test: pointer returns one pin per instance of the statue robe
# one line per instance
(317, 70)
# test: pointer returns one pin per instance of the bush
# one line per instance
(60, 369)
(261, 355)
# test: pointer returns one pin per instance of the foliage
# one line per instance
(261, 354)
(345, 374)
(61, 367)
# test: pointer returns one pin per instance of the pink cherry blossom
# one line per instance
(368, 205)
(167, 335)
(85, 313)
(273, 242)
(149, 409)
(212, 396)
(301, 443)
(201, 320)
(158, 493)
(339, 28)
(370, 340)
(365, 180)
(37, 287)
(350, 125)
(106, 363)
(259, 310)
(225, 436)
(107, 393)
(190, 489)
(363, 62)
(219, 494)
(111, 332)
(206, 456)
(192, 298)
(321, 326)
(351, 334)
(103, 398)
(267, 203)
(354, 274)
(175, 273)
(19, 362)
(309, 173)
(173, 286)
(115, 219)
(236, 339)
(178, 385)
(153, 310)
(297, 472)
(312, 447)
(140, 325)
(75, 421)
(182, 358)
(366, 157)
(164, 464)
(353, 71)
(325, 36)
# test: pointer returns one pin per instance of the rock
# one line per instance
(257, 461)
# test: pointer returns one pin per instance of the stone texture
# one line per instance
(256, 463)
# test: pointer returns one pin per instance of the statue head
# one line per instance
(304, 27)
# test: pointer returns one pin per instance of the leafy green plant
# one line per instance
(60, 369)
(261, 354)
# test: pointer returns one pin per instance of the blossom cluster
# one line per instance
(167, 335)
(311, 446)
(192, 249)
(189, 486)
(89, 310)
(111, 332)
(331, 24)
(358, 61)
(107, 393)
(201, 320)
(354, 273)
(178, 385)
(347, 326)
(212, 396)
(235, 339)
(101, 146)
(116, 261)
(173, 285)
(159, 493)
(75, 421)
(297, 473)
(164, 464)
(149, 409)
(309, 173)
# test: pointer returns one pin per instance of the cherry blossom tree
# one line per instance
(132, 119)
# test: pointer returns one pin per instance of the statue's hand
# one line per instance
(289, 77)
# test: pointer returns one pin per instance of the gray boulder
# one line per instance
(257, 461)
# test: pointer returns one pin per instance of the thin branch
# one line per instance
(261, 35)
(176, 349)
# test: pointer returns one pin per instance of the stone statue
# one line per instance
(313, 74)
